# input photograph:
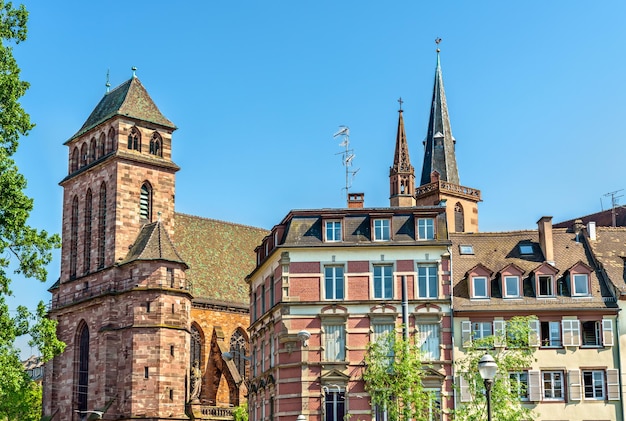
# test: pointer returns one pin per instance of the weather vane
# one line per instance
(401, 102)
(438, 41)
(134, 69)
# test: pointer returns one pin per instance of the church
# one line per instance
(148, 299)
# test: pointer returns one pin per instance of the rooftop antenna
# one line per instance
(614, 205)
(347, 156)
(108, 84)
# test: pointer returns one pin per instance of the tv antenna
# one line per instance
(347, 155)
(614, 198)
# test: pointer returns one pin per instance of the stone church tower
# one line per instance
(440, 174)
(122, 301)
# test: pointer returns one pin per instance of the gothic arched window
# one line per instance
(83, 155)
(134, 140)
(74, 238)
(92, 150)
(459, 218)
(102, 145)
(196, 346)
(82, 367)
(156, 145)
(87, 239)
(102, 220)
(145, 202)
(74, 160)
(239, 349)
(112, 145)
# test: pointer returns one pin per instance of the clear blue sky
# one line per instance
(535, 90)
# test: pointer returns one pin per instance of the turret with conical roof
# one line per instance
(402, 173)
(440, 175)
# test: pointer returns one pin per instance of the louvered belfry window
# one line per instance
(83, 369)
(145, 202)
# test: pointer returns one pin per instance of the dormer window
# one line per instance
(332, 230)
(545, 286)
(511, 287)
(526, 249)
(466, 249)
(580, 284)
(479, 287)
(382, 230)
(426, 229)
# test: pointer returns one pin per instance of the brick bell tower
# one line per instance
(122, 301)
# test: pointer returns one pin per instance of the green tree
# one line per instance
(511, 350)
(393, 377)
(23, 250)
(240, 413)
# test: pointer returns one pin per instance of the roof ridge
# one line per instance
(219, 220)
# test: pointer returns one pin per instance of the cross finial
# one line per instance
(438, 41)
(108, 84)
(134, 69)
(400, 102)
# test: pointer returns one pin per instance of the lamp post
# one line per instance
(487, 368)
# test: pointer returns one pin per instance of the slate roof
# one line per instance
(153, 243)
(219, 254)
(609, 248)
(497, 250)
(130, 99)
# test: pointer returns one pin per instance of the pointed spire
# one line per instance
(439, 152)
(401, 173)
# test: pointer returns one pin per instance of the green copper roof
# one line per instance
(130, 99)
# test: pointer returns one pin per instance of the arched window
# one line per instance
(134, 139)
(82, 367)
(102, 220)
(87, 239)
(74, 160)
(196, 346)
(112, 145)
(92, 150)
(145, 202)
(156, 145)
(101, 145)
(239, 349)
(83, 155)
(74, 238)
(459, 218)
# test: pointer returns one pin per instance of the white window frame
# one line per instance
(597, 333)
(330, 274)
(597, 389)
(333, 231)
(554, 338)
(552, 375)
(517, 381)
(429, 341)
(334, 341)
(429, 279)
(382, 229)
(551, 284)
(482, 279)
(383, 278)
(577, 293)
(507, 293)
(479, 330)
(426, 228)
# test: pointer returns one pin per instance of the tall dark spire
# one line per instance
(439, 153)
(401, 173)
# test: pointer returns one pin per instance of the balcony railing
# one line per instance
(218, 413)
(444, 186)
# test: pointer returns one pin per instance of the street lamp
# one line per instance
(487, 368)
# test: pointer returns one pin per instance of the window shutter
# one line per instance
(499, 332)
(533, 335)
(612, 383)
(466, 333)
(534, 385)
(607, 332)
(571, 332)
(573, 377)
(464, 389)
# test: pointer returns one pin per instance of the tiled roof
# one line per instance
(497, 250)
(153, 243)
(130, 99)
(610, 250)
(602, 219)
(219, 255)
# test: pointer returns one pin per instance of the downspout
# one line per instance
(619, 363)
(405, 309)
(452, 326)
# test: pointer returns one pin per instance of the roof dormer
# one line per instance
(578, 278)
(479, 282)
(544, 280)
(511, 281)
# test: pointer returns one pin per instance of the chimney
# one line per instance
(591, 230)
(545, 238)
(355, 200)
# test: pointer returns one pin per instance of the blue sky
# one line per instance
(535, 92)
